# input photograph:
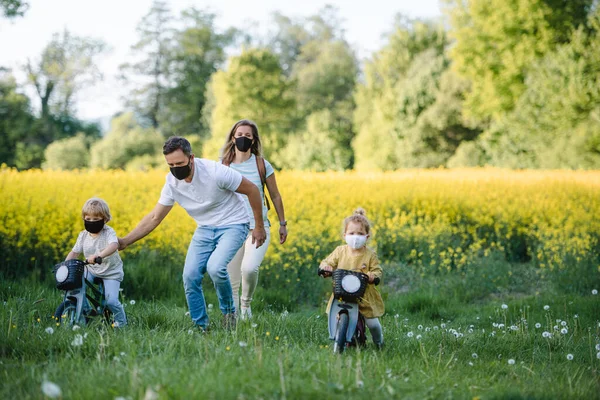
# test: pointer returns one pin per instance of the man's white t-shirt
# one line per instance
(210, 197)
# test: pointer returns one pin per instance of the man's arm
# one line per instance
(146, 225)
(249, 189)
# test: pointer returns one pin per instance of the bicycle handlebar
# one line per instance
(325, 274)
(97, 260)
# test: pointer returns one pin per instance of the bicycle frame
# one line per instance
(94, 296)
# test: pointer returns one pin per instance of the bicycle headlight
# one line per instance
(62, 273)
(350, 283)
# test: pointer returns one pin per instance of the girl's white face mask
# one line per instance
(356, 241)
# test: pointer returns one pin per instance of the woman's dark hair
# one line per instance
(177, 143)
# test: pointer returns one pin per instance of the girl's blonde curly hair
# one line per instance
(360, 216)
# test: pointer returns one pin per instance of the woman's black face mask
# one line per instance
(243, 143)
(183, 171)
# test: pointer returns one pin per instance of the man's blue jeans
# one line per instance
(211, 249)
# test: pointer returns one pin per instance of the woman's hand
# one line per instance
(282, 234)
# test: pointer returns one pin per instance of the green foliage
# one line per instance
(499, 41)
(13, 8)
(324, 145)
(126, 141)
(15, 119)
(409, 109)
(149, 78)
(253, 87)
(198, 50)
(70, 153)
(555, 123)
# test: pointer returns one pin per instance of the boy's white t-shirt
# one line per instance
(112, 266)
(210, 198)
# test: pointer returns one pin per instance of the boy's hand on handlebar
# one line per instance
(95, 259)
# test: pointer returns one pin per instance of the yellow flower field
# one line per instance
(431, 220)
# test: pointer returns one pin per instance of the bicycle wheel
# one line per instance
(340, 333)
(65, 312)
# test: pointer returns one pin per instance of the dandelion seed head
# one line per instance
(474, 355)
(77, 341)
(569, 357)
(504, 306)
(410, 334)
(190, 331)
(564, 331)
(546, 307)
(598, 347)
(76, 327)
(419, 337)
(470, 363)
(594, 292)
(511, 362)
(51, 389)
(243, 344)
(49, 330)
(420, 327)
(132, 302)
(538, 325)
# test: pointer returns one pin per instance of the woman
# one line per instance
(243, 152)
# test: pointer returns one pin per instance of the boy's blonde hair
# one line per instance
(359, 215)
(96, 207)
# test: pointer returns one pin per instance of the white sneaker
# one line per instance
(246, 313)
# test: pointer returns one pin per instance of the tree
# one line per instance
(152, 70)
(198, 52)
(125, 143)
(380, 108)
(16, 119)
(323, 68)
(253, 87)
(66, 65)
(69, 153)
(13, 8)
(498, 41)
(555, 123)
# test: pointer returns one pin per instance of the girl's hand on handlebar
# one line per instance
(371, 277)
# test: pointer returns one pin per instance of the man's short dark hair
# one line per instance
(175, 143)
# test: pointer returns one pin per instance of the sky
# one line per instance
(114, 21)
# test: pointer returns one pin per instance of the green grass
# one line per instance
(287, 355)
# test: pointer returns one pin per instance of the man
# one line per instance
(207, 191)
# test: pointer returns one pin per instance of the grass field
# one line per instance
(490, 284)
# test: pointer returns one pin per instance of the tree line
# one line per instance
(508, 83)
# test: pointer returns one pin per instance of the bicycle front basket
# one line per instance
(349, 285)
(68, 274)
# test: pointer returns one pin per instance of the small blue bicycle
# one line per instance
(84, 299)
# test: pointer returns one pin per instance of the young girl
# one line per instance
(355, 256)
(100, 240)
(242, 152)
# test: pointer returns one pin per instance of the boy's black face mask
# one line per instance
(182, 172)
(93, 226)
